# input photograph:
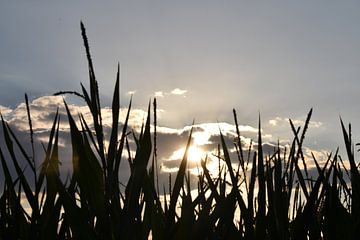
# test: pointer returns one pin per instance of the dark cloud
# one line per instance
(169, 140)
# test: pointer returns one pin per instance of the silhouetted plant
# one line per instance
(280, 200)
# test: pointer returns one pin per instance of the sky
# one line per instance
(200, 59)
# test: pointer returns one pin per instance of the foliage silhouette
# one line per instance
(280, 201)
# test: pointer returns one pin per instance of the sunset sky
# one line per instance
(199, 59)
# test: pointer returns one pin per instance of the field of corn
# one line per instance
(265, 197)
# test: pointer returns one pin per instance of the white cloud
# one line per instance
(170, 141)
(178, 91)
(274, 122)
(201, 138)
(166, 169)
(159, 94)
(167, 130)
(5, 110)
(297, 122)
(44, 108)
(312, 124)
(226, 128)
(42, 113)
(136, 118)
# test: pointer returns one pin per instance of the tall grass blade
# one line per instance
(122, 142)
(260, 228)
(115, 122)
(94, 101)
(87, 172)
(179, 180)
(234, 181)
(31, 133)
(46, 164)
(13, 222)
(134, 186)
(354, 173)
(28, 192)
(78, 223)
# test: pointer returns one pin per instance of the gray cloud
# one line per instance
(206, 136)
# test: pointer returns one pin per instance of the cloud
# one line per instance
(42, 113)
(224, 127)
(136, 117)
(274, 122)
(170, 141)
(278, 121)
(159, 94)
(4, 110)
(178, 91)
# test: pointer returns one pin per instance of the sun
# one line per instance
(195, 154)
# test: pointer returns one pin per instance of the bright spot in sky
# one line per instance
(159, 94)
(201, 138)
(178, 91)
(195, 154)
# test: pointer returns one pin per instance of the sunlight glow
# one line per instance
(201, 138)
(195, 154)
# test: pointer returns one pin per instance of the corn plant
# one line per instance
(274, 194)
